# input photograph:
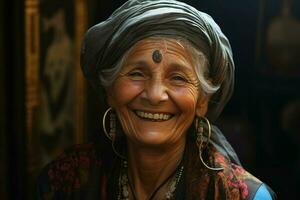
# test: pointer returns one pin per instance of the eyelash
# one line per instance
(136, 73)
(139, 75)
(178, 77)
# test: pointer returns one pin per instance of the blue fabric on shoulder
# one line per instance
(262, 193)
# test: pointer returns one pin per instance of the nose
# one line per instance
(155, 92)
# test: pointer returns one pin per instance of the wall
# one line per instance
(3, 154)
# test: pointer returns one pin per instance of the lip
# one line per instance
(153, 116)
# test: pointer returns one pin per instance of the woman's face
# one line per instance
(156, 102)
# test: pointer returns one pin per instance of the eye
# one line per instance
(179, 78)
(136, 75)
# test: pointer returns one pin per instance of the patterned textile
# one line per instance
(90, 171)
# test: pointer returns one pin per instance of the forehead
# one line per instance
(172, 50)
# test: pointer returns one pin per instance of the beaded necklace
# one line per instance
(124, 183)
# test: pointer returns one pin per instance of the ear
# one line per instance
(202, 105)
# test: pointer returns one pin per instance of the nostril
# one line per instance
(155, 94)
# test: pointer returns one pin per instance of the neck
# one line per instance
(149, 167)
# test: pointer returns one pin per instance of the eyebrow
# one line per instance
(140, 63)
(143, 63)
(178, 66)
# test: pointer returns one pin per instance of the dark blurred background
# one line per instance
(262, 120)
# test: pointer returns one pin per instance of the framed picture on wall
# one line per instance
(55, 88)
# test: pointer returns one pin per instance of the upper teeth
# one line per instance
(157, 116)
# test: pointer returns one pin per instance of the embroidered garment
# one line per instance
(91, 171)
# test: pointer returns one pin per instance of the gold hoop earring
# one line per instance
(112, 122)
(111, 135)
(200, 140)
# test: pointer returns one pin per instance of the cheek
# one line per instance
(186, 99)
(123, 92)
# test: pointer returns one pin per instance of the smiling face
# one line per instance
(156, 102)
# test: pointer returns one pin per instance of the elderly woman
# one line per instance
(165, 69)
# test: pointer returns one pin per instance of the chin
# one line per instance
(155, 139)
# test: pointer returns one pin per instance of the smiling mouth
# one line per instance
(153, 116)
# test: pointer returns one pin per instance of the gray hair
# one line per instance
(200, 64)
(105, 43)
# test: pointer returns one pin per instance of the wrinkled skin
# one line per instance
(169, 89)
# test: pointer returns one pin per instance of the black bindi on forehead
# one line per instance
(157, 56)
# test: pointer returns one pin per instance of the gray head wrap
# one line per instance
(107, 41)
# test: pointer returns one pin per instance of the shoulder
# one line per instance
(240, 182)
(264, 193)
(70, 171)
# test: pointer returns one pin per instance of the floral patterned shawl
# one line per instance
(91, 171)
